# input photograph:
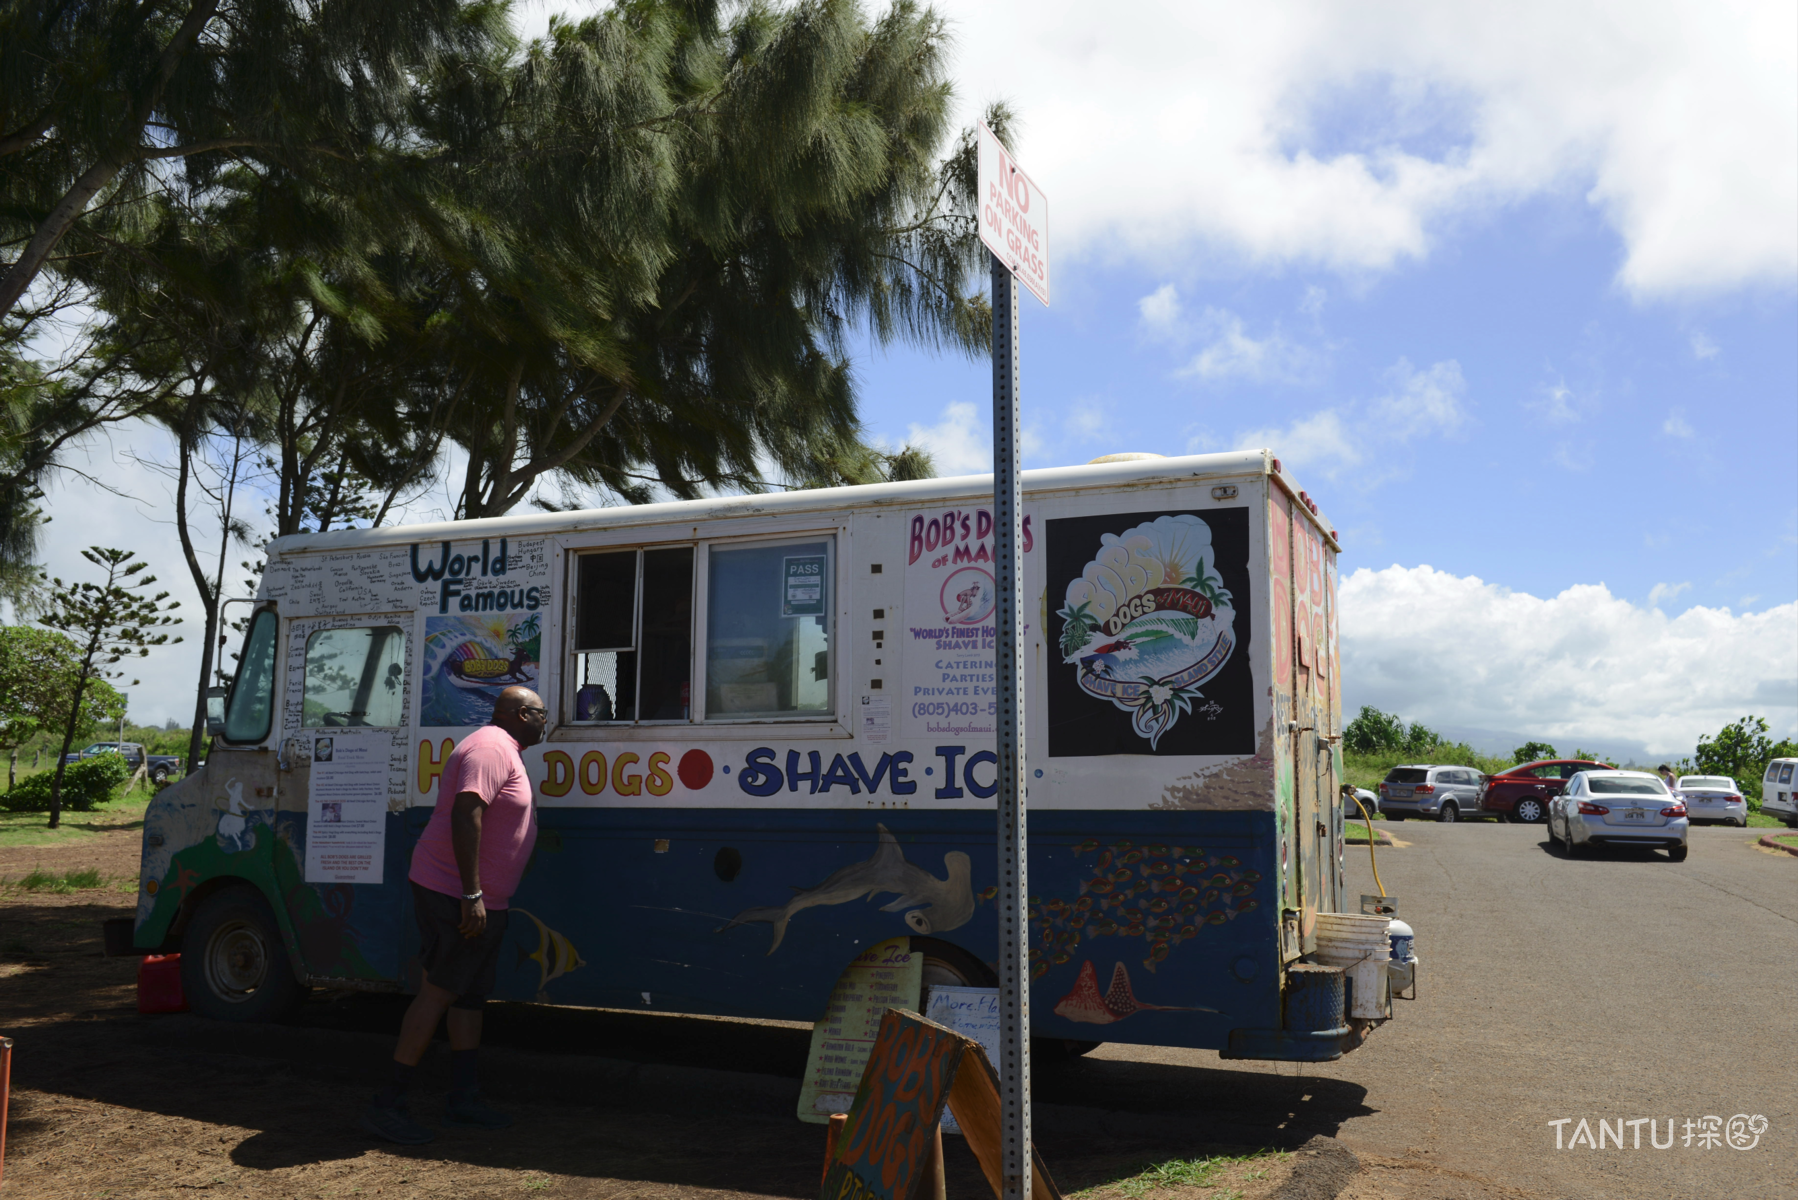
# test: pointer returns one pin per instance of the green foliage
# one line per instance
(1182, 1173)
(39, 669)
(40, 880)
(1742, 751)
(1534, 752)
(1373, 732)
(109, 622)
(85, 786)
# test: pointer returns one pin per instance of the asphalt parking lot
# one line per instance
(1615, 986)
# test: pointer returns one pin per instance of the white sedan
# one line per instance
(1618, 808)
(1713, 798)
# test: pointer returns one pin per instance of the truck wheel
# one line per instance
(159, 776)
(233, 965)
(1528, 810)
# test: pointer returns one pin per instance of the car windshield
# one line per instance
(1407, 775)
(1706, 783)
(1625, 785)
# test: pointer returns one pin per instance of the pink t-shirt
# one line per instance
(488, 764)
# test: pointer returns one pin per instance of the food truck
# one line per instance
(771, 747)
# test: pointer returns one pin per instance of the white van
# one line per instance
(1779, 792)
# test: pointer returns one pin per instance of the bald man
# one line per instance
(464, 870)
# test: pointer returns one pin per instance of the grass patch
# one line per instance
(1182, 1172)
(1786, 839)
(41, 880)
(1357, 829)
(1759, 820)
(32, 829)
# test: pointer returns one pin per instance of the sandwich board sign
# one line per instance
(1014, 215)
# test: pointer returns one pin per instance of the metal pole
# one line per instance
(1014, 924)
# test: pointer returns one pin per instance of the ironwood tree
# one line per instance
(109, 622)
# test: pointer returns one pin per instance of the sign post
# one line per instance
(1013, 226)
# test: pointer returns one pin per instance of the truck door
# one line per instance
(344, 758)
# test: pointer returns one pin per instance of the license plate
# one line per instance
(1635, 814)
(1401, 794)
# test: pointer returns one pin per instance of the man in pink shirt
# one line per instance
(464, 870)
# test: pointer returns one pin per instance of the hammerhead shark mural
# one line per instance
(946, 903)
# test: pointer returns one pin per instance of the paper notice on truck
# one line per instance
(346, 809)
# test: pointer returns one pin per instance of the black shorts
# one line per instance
(465, 966)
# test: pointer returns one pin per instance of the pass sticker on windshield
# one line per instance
(802, 576)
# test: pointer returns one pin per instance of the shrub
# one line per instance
(85, 786)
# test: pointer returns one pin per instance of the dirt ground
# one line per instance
(108, 1103)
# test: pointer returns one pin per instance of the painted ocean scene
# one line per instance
(470, 660)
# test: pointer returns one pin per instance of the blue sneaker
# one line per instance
(468, 1111)
(395, 1124)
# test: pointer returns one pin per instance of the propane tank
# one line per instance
(1402, 939)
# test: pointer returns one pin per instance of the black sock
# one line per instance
(464, 1070)
(394, 1094)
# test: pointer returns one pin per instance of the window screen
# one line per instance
(634, 635)
(768, 630)
(354, 677)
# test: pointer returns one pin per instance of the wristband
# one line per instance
(474, 896)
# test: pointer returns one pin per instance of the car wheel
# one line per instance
(1574, 849)
(1449, 814)
(1677, 853)
(233, 965)
(1528, 810)
(1552, 839)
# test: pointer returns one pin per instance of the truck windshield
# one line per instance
(251, 705)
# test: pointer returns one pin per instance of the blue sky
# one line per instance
(1512, 289)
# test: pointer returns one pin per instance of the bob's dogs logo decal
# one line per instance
(1148, 622)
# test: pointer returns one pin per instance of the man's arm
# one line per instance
(465, 840)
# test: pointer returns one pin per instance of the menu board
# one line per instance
(883, 976)
(972, 1012)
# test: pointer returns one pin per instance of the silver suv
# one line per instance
(1444, 793)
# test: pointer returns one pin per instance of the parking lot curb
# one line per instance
(1768, 841)
(1380, 838)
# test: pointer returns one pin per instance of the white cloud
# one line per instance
(961, 441)
(1160, 310)
(1585, 664)
(1555, 402)
(1676, 426)
(1419, 404)
(1665, 591)
(1168, 130)
(1703, 347)
(1227, 350)
(1312, 303)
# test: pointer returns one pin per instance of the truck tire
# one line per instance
(233, 965)
(159, 775)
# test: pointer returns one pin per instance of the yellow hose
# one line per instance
(1371, 835)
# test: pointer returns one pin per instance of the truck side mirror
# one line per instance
(215, 710)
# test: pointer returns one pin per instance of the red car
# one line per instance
(1522, 793)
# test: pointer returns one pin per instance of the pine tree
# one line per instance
(109, 622)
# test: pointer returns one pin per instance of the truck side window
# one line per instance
(250, 707)
(633, 651)
(354, 677)
(768, 630)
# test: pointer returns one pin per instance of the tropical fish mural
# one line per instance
(941, 904)
(553, 953)
(1086, 1004)
(1161, 893)
(1149, 621)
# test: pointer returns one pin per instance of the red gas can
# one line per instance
(159, 984)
